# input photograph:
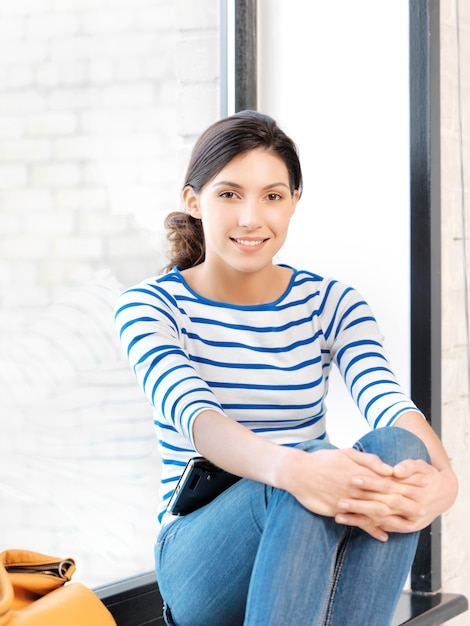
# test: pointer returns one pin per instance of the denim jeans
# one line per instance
(256, 556)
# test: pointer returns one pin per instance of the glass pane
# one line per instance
(99, 101)
(338, 226)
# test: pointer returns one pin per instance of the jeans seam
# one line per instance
(340, 556)
(358, 446)
(167, 616)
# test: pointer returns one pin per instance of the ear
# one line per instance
(191, 202)
(295, 199)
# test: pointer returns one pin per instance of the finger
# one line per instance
(364, 524)
(380, 507)
(371, 509)
(378, 485)
(398, 524)
(369, 461)
(408, 487)
(409, 467)
(390, 524)
(415, 480)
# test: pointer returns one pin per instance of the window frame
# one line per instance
(425, 250)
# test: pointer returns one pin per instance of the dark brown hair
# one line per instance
(215, 148)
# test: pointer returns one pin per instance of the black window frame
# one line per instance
(425, 249)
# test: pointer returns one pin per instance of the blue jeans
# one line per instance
(256, 556)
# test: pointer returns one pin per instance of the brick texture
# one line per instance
(99, 103)
(455, 146)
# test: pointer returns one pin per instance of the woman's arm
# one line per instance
(236, 448)
(356, 488)
(320, 481)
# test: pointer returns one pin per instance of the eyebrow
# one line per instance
(228, 183)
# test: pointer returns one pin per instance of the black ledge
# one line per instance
(136, 601)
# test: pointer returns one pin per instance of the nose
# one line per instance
(249, 215)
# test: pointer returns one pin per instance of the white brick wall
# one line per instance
(455, 26)
(93, 98)
(98, 100)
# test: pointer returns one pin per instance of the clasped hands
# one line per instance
(358, 489)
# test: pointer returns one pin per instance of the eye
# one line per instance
(274, 196)
(229, 195)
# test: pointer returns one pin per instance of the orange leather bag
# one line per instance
(35, 591)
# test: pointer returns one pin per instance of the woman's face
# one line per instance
(245, 211)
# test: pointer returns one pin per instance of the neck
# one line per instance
(240, 288)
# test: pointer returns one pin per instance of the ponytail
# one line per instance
(186, 237)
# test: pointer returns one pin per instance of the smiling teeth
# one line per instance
(249, 242)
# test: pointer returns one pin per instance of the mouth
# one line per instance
(251, 243)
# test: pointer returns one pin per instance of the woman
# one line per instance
(234, 353)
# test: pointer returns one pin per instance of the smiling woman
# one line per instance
(234, 354)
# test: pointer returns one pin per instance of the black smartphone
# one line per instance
(200, 482)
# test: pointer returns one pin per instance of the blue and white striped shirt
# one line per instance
(265, 366)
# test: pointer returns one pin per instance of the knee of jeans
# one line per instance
(393, 444)
(312, 445)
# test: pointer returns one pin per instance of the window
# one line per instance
(99, 102)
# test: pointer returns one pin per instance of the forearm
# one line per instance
(238, 450)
